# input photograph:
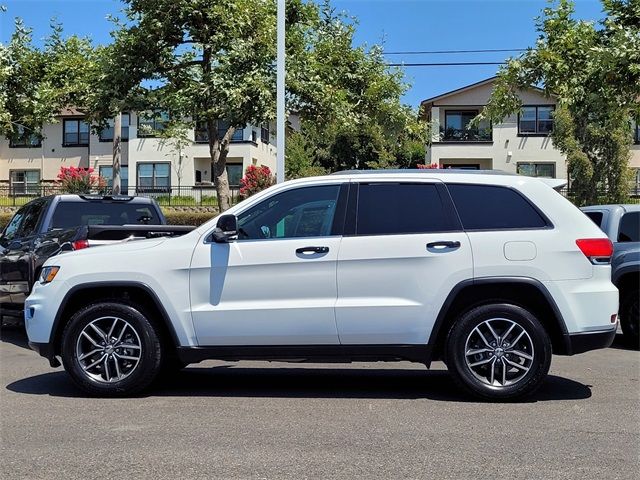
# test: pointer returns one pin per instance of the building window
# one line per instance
(234, 173)
(75, 133)
(106, 172)
(457, 129)
(106, 135)
(25, 138)
(202, 135)
(637, 135)
(535, 120)
(154, 177)
(152, 122)
(547, 170)
(264, 132)
(24, 182)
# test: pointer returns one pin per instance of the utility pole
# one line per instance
(280, 93)
(117, 153)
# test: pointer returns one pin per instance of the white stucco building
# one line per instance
(147, 162)
(520, 144)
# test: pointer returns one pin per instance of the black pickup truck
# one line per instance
(49, 225)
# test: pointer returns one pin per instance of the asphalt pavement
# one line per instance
(255, 420)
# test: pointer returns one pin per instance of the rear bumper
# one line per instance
(583, 342)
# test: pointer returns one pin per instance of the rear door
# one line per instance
(402, 253)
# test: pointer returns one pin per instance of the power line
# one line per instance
(437, 52)
(446, 64)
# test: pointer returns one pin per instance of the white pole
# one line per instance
(280, 94)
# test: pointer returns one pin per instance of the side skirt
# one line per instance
(309, 353)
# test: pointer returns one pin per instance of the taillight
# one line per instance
(597, 250)
(80, 244)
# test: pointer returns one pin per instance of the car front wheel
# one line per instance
(498, 352)
(111, 349)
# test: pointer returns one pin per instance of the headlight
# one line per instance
(48, 274)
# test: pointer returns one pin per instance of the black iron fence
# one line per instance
(183, 196)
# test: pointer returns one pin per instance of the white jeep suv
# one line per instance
(489, 272)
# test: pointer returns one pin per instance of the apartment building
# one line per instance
(520, 144)
(148, 162)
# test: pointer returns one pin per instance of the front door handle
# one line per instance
(438, 247)
(304, 250)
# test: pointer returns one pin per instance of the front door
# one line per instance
(396, 268)
(276, 284)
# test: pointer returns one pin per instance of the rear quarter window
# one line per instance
(596, 217)
(75, 214)
(629, 227)
(490, 207)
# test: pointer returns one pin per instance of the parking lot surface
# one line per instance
(274, 420)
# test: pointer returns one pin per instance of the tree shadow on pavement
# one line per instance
(297, 382)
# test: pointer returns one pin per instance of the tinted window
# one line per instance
(630, 227)
(75, 214)
(388, 208)
(596, 217)
(11, 230)
(31, 218)
(302, 212)
(485, 207)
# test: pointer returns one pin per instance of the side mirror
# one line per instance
(226, 229)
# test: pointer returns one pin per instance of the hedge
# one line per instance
(173, 218)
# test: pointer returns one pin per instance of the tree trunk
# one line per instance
(218, 150)
(117, 153)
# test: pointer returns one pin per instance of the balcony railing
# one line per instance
(466, 135)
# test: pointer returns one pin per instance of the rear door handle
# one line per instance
(304, 250)
(437, 247)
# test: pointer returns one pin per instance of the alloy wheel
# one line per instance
(499, 352)
(108, 349)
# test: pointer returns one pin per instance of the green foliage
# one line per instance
(195, 218)
(594, 71)
(35, 84)
(300, 160)
(4, 219)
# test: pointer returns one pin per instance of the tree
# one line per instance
(36, 84)
(594, 71)
(175, 135)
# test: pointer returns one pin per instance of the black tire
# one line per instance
(630, 318)
(139, 376)
(501, 316)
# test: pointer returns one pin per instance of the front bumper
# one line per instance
(583, 342)
(45, 350)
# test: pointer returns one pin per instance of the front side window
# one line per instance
(531, 169)
(297, 213)
(24, 182)
(106, 135)
(154, 177)
(75, 133)
(535, 120)
(11, 230)
(400, 208)
(629, 227)
(488, 207)
(25, 138)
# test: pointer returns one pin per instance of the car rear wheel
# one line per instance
(111, 349)
(498, 352)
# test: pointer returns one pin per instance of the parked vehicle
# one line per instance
(621, 223)
(46, 226)
(489, 272)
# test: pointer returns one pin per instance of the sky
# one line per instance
(401, 25)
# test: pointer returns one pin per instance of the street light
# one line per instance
(280, 93)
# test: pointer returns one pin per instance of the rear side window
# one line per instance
(399, 208)
(596, 217)
(76, 214)
(488, 207)
(629, 227)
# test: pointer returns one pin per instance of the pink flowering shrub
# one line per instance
(79, 180)
(255, 180)
(425, 167)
